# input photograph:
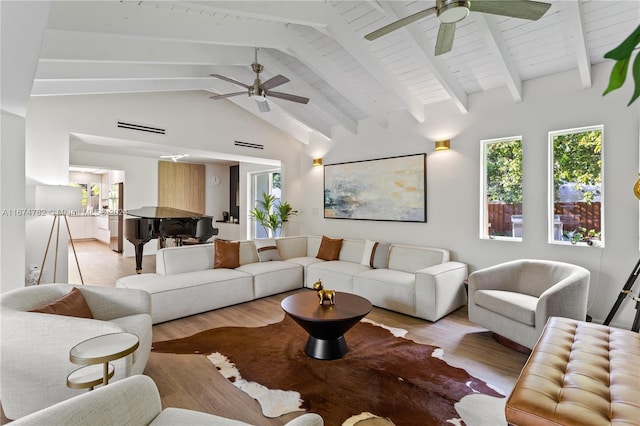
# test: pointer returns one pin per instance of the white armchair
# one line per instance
(515, 299)
(34, 355)
(132, 401)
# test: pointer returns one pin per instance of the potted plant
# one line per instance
(272, 215)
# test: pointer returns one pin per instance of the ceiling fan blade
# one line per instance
(399, 24)
(227, 95)
(444, 42)
(274, 82)
(263, 106)
(230, 80)
(524, 9)
(288, 97)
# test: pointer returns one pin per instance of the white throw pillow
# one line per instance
(376, 254)
(267, 249)
(366, 256)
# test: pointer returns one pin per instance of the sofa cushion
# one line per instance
(335, 275)
(227, 254)
(517, 306)
(267, 249)
(376, 254)
(72, 304)
(180, 416)
(387, 289)
(329, 248)
(273, 277)
(411, 258)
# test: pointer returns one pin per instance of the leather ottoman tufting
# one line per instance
(579, 373)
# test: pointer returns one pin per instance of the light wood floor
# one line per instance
(191, 381)
(102, 266)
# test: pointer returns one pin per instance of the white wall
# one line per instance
(217, 196)
(552, 103)
(191, 119)
(12, 200)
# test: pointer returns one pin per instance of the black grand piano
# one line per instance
(164, 223)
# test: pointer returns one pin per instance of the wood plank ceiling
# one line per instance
(146, 46)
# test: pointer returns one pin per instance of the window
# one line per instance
(90, 196)
(267, 183)
(575, 186)
(501, 190)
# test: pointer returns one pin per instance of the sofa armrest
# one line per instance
(134, 400)
(440, 289)
(308, 419)
(567, 298)
(107, 303)
(496, 277)
(34, 357)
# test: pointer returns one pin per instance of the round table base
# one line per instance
(326, 349)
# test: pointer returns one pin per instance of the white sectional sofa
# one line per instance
(417, 281)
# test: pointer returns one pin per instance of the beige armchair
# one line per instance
(132, 401)
(34, 352)
(515, 299)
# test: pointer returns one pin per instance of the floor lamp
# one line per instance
(58, 200)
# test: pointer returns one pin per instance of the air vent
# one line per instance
(249, 145)
(141, 128)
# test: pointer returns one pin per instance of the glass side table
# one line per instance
(95, 351)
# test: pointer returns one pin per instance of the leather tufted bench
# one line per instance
(579, 373)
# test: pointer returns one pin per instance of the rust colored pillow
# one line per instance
(329, 248)
(72, 304)
(227, 254)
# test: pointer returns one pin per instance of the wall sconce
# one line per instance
(443, 145)
(317, 162)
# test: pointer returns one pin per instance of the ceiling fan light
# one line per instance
(453, 11)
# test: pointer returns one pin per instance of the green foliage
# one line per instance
(576, 158)
(504, 172)
(270, 214)
(622, 55)
(582, 235)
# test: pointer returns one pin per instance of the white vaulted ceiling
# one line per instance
(148, 46)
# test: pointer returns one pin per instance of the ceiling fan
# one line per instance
(259, 91)
(449, 12)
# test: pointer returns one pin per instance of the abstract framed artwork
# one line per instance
(385, 189)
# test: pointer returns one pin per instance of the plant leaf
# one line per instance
(635, 72)
(618, 75)
(624, 49)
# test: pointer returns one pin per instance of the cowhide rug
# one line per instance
(391, 377)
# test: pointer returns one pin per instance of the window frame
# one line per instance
(484, 232)
(551, 186)
(255, 226)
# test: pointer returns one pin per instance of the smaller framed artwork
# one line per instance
(385, 189)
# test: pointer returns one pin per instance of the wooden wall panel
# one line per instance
(181, 186)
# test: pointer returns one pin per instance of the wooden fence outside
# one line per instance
(572, 216)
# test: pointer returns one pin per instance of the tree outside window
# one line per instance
(575, 188)
(501, 192)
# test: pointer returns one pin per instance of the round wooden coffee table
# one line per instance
(326, 324)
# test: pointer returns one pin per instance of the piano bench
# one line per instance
(578, 373)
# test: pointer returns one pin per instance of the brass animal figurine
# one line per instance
(323, 294)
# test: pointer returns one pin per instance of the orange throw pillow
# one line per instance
(72, 304)
(329, 248)
(227, 254)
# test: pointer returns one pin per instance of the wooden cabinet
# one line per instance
(81, 227)
(102, 232)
